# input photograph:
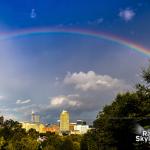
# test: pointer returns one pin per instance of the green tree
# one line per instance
(26, 143)
(12, 124)
(33, 133)
(76, 145)
(2, 142)
(88, 142)
(67, 144)
(115, 125)
(9, 128)
(53, 140)
(49, 147)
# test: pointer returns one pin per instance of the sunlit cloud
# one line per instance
(23, 101)
(62, 100)
(92, 81)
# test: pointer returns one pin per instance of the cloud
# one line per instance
(2, 97)
(23, 101)
(27, 109)
(8, 113)
(127, 14)
(33, 14)
(10, 116)
(62, 100)
(96, 22)
(92, 81)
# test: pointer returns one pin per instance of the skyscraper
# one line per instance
(64, 122)
(35, 118)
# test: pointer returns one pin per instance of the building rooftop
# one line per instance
(64, 111)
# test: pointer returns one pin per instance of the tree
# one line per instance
(49, 147)
(33, 133)
(53, 140)
(76, 146)
(12, 130)
(12, 124)
(26, 143)
(115, 125)
(2, 142)
(67, 144)
(88, 141)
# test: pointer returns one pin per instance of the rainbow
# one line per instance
(96, 34)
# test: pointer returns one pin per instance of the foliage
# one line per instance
(115, 125)
(49, 147)
(33, 133)
(2, 142)
(76, 145)
(26, 143)
(67, 144)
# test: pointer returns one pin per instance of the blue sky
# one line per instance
(51, 72)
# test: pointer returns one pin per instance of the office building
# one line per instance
(39, 127)
(82, 129)
(35, 118)
(64, 122)
(71, 126)
(53, 128)
(34, 124)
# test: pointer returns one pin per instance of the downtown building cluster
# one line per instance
(62, 127)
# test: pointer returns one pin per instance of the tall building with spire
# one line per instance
(35, 118)
(64, 122)
(34, 123)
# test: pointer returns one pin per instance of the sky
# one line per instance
(49, 72)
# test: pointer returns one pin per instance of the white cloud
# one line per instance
(27, 109)
(2, 97)
(92, 81)
(23, 101)
(7, 113)
(96, 22)
(62, 100)
(10, 116)
(72, 96)
(127, 14)
(33, 13)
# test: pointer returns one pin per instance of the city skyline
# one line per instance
(70, 55)
(63, 127)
